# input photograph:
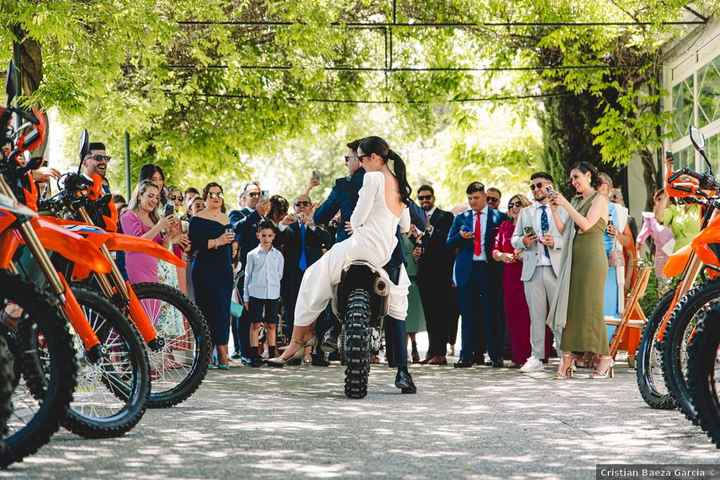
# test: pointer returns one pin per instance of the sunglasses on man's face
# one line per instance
(100, 158)
(537, 186)
(422, 198)
(302, 204)
(493, 199)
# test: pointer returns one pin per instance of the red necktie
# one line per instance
(478, 235)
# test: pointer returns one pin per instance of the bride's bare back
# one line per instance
(392, 194)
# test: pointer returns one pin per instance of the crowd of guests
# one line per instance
(520, 275)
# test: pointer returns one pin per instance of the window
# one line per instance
(709, 93)
(682, 104)
(684, 158)
(712, 150)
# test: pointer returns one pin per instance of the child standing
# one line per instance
(263, 273)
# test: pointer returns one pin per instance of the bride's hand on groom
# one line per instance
(348, 228)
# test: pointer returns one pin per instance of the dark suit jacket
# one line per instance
(436, 263)
(464, 259)
(315, 242)
(343, 198)
(246, 234)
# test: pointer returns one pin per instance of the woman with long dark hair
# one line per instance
(382, 206)
(578, 308)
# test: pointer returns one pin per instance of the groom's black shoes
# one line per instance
(404, 381)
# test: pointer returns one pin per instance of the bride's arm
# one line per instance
(366, 199)
(405, 221)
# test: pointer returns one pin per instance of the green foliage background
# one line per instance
(114, 66)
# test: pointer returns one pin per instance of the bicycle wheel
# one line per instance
(687, 314)
(179, 368)
(112, 392)
(35, 419)
(703, 365)
(648, 360)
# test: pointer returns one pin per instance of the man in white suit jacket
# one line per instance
(538, 237)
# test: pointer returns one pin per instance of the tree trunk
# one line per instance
(28, 57)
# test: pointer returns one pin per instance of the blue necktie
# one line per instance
(545, 226)
(303, 264)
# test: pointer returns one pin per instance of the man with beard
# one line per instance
(435, 275)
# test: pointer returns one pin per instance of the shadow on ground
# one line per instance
(471, 423)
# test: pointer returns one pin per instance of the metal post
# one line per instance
(128, 179)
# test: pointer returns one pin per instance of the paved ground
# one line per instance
(472, 423)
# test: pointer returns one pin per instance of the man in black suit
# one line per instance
(435, 274)
(303, 244)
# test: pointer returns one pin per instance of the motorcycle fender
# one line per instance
(677, 262)
(701, 243)
(71, 246)
(127, 243)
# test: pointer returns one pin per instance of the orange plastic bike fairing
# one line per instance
(139, 316)
(30, 192)
(96, 193)
(77, 318)
(119, 242)
(701, 243)
(41, 127)
(71, 246)
(677, 262)
(6, 219)
(10, 241)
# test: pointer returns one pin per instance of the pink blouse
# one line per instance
(140, 267)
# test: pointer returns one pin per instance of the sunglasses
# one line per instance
(424, 197)
(302, 204)
(493, 199)
(534, 186)
(514, 204)
(215, 195)
(100, 158)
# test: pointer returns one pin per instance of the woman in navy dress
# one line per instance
(212, 275)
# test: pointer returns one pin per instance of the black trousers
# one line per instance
(437, 299)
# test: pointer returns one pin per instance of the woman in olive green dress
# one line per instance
(584, 329)
(415, 321)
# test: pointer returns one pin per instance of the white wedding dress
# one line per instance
(373, 240)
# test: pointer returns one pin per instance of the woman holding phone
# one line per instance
(211, 237)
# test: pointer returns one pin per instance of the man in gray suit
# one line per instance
(538, 237)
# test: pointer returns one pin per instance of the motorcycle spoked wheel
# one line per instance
(648, 359)
(189, 353)
(703, 366)
(356, 344)
(112, 393)
(691, 309)
(35, 420)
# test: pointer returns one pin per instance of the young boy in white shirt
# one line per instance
(263, 273)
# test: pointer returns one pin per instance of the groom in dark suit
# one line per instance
(477, 276)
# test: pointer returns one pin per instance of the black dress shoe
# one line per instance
(404, 381)
(318, 361)
(463, 364)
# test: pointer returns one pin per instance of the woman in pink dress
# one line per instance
(517, 314)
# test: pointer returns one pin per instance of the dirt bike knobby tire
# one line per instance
(357, 344)
(702, 363)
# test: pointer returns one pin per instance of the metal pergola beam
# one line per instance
(389, 69)
(463, 25)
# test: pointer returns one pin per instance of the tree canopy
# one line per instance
(196, 94)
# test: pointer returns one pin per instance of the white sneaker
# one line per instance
(532, 365)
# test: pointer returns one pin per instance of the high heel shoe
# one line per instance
(609, 368)
(298, 355)
(567, 367)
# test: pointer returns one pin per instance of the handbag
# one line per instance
(236, 309)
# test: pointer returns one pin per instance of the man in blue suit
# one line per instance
(477, 276)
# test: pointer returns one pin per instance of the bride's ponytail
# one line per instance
(400, 171)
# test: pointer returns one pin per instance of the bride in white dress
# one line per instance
(382, 206)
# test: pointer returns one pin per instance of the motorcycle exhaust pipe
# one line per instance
(381, 287)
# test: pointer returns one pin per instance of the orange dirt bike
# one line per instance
(662, 353)
(179, 357)
(114, 378)
(27, 424)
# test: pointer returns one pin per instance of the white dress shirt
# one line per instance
(483, 228)
(263, 274)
